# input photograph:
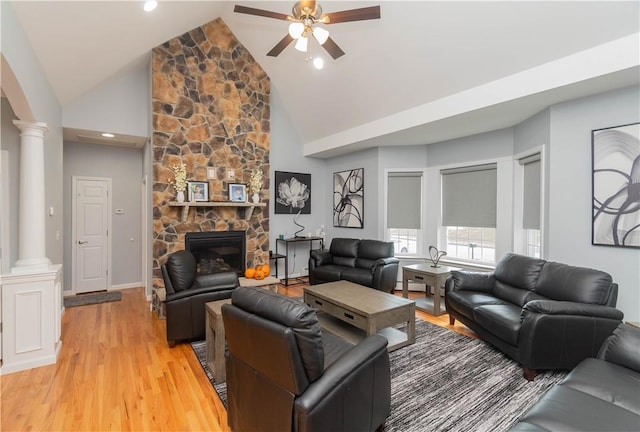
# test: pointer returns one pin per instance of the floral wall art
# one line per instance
(616, 186)
(348, 198)
(293, 193)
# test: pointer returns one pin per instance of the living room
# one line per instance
(562, 127)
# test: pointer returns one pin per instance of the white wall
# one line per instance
(10, 141)
(570, 206)
(124, 167)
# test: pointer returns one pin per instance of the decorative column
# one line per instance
(32, 254)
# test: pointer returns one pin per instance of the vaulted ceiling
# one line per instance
(425, 72)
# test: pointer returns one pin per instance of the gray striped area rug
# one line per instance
(449, 382)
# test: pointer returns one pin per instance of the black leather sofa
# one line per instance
(544, 315)
(366, 262)
(600, 394)
(187, 293)
(285, 374)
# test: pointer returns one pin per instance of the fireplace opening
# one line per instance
(218, 251)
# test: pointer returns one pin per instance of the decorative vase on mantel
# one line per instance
(180, 196)
(255, 197)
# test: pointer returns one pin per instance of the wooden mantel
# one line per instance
(248, 207)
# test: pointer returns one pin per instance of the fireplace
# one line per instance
(218, 251)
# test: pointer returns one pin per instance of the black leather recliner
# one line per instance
(187, 292)
(285, 374)
(366, 262)
(544, 315)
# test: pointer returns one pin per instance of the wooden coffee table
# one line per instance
(353, 312)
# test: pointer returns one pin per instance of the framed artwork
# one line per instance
(615, 185)
(197, 191)
(237, 192)
(293, 193)
(348, 198)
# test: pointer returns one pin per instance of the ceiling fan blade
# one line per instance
(361, 14)
(332, 48)
(280, 46)
(261, 12)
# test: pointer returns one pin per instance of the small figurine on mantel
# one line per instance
(255, 184)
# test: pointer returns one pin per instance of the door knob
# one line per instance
(82, 242)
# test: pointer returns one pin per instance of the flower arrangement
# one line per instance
(255, 181)
(180, 177)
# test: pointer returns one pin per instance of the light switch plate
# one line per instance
(231, 174)
(211, 173)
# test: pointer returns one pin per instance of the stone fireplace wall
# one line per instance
(210, 109)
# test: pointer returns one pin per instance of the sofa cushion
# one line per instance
(607, 381)
(344, 247)
(329, 272)
(577, 284)
(563, 408)
(358, 275)
(623, 347)
(181, 266)
(465, 301)
(501, 320)
(518, 271)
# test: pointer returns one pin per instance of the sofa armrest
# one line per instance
(381, 262)
(338, 399)
(470, 281)
(221, 280)
(551, 307)
(319, 257)
(193, 292)
(623, 347)
(559, 335)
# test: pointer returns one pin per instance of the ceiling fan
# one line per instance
(305, 17)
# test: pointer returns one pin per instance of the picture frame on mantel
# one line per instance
(615, 172)
(237, 192)
(197, 191)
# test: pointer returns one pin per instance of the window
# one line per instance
(404, 211)
(531, 204)
(469, 212)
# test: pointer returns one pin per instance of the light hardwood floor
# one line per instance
(116, 372)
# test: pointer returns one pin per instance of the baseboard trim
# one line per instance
(126, 286)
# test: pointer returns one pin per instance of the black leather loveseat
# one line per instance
(600, 394)
(365, 262)
(544, 315)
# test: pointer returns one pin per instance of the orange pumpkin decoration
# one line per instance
(266, 270)
(259, 275)
(250, 273)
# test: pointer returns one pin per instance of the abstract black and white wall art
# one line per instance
(616, 186)
(293, 193)
(348, 198)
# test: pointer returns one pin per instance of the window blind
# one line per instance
(404, 200)
(469, 196)
(531, 192)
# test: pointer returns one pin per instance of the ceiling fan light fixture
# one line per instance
(150, 5)
(296, 29)
(318, 63)
(320, 34)
(301, 44)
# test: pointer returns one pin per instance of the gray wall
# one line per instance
(10, 141)
(45, 108)
(570, 192)
(489, 145)
(124, 167)
(286, 155)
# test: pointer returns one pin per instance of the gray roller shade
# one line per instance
(531, 192)
(404, 200)
(469, 196)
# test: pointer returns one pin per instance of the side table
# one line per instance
(270, 283)
(432, 277)
(215, 340)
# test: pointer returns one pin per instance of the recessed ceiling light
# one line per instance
(150, 5)
(318, 63)
(108, 135)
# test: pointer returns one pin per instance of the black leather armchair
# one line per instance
(544, 315)
(366, 262)
(284, 373)
(186, 294)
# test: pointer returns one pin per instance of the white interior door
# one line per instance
(91, 226)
